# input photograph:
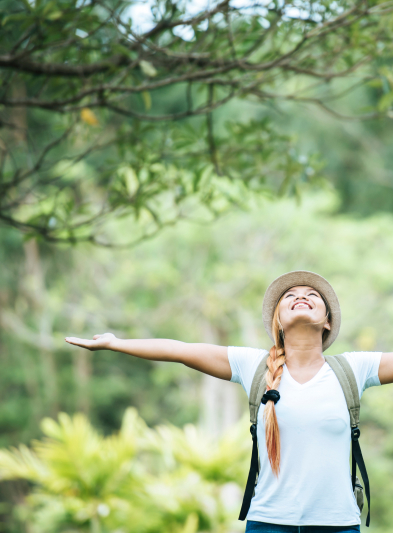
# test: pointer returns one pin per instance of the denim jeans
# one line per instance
(264, 527)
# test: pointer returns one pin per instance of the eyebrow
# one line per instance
(309, 290)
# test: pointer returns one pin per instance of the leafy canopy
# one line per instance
(104, 117)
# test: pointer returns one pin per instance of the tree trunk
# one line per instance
(82, 373)
(219, 398)
(34, 287)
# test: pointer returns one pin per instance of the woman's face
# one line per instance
(302, 305)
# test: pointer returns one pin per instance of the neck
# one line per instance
(303, 347)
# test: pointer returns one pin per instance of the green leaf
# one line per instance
(385, 102)
(147, 68)
(14, 18)
(49, 6)
(55, 15)
(120, 49)
(375, 84)
(146, 100)
(27, 5)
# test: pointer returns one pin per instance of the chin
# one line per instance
(303, 318)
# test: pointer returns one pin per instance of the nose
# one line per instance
(303, 297)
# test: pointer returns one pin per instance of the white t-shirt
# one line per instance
(314, 485)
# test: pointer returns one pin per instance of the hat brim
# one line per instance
(296, 278)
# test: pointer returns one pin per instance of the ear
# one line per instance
(327, 326)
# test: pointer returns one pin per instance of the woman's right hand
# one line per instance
(99, 342)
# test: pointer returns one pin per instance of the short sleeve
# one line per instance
(244, 362)
(365, 366)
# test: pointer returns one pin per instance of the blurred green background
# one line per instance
(103, 442)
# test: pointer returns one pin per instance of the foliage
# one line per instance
(104, 119)
(357, 155)
(139, 479)
(193, 284)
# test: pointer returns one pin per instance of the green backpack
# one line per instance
(346, 377)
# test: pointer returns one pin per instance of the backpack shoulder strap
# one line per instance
(346, 377)
(258, 388)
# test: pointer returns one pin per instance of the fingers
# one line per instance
(83, 343)
(98, 342)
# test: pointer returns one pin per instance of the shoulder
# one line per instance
(245, 356)
(362, 360)
(244, 362)
(365, 366)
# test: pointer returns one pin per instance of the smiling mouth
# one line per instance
(301, 305)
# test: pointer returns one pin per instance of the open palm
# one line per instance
(99, 342)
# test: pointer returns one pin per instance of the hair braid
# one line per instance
(275, 363)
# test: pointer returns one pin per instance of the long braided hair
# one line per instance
(275, 363)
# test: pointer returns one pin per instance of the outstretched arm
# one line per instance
(385, 372)
(207, 358)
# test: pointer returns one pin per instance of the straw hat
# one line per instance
(302, 277)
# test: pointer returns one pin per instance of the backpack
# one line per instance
(346, 377)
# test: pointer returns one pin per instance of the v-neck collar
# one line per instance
(310, 381)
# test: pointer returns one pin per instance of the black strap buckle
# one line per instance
(253, 431)
(355, 433)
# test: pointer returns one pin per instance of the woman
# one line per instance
(304, 440)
